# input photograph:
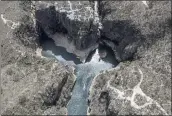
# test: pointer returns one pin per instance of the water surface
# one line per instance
(85, 72)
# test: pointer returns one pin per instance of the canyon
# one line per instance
(86, 57)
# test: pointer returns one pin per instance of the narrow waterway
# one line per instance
(99, 60)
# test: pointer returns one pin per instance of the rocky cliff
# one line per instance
(138, 34)
(141, 86)
(30, 84)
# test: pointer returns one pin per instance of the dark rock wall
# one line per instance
(76, 22)
(121, 29)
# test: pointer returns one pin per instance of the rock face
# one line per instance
(142, 86)
(30, 84)
(71, 24)
(81, 26)
(126, 25)
(33, 86)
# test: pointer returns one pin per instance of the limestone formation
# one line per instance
(137, 32)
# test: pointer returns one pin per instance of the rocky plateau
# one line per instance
(137, 32)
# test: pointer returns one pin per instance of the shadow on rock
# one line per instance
(48, 44)
(84, 33)
(122, 37)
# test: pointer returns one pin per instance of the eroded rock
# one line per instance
(30, 84)
(142, 86)
(34, 85)
(129, 23)
(71, 24)
(130, 95)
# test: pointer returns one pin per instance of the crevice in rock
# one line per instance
(104, 99)
(52, 94)
(102, 9)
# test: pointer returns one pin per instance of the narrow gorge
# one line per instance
(86, 68)
(86, 58)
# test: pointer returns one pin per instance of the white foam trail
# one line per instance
(95, 57)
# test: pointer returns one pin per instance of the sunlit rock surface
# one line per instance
(30, 84)
(132, 89)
